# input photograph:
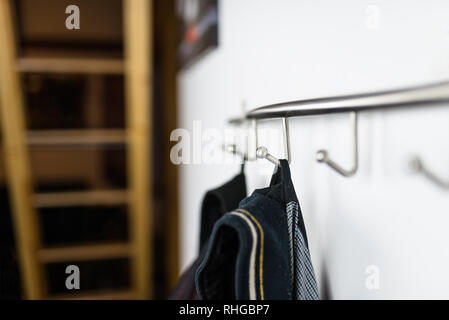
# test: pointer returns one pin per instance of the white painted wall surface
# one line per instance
(278, 50)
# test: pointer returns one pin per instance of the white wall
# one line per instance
(278, 50)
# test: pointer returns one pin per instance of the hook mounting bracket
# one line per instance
(262, 152)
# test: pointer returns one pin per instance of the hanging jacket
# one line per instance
(260, 250)
(215, 204)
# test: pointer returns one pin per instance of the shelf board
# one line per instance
(70, 65)
(80, 198)
(84, 252)
(75, 137)
(126, 294)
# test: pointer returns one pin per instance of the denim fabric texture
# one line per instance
(260, 250)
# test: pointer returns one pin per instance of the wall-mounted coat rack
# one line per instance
(418, 96)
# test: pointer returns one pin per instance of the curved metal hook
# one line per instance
(322, 156)
(286, 132)
(262, 152)
(232, 148)
(256, 138)
(418, 166)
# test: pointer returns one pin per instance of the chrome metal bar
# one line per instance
(417, 96)
(256, 135)
(432, 94)
(255, 140)
(286, 132)
(262, 153)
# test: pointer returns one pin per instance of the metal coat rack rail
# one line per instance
(417, 96)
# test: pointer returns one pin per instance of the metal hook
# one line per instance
(323, 156)
(262, 152)
(256, 139)
(286, 132)
(232, 148)
(417, 166)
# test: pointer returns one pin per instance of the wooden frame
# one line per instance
(17, 159)
(138, 88)
(137, 68)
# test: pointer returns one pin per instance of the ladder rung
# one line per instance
(99, 295)
(71, 65)
(80, 198)
(40, 138)
(84, 252)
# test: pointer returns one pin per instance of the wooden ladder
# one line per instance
(136, 67)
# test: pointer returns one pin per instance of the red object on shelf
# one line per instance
(192, 34)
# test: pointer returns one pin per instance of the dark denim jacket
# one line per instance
(260, 250)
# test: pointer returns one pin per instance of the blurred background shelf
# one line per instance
(81, 198)
(71, 65)
(97, 295)
(73, 137)
(85, 252)
(76, 115)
